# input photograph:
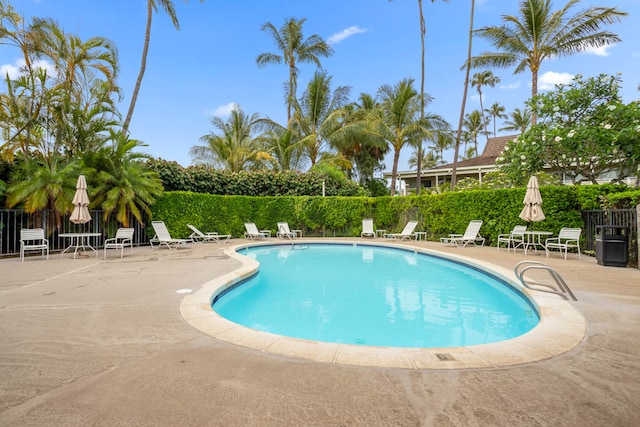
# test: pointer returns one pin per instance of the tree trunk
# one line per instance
(394, 171)
(143, 66)
(534, 92)
(423, 30)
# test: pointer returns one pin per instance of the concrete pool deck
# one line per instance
(87, 342)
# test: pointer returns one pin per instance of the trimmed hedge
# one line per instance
(438, 214)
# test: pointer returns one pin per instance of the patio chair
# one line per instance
(163, 237)
(32, 239)
(567, 238)
(124, 237)
(515, 238)
(284, 231)
(211, 236)
(471, 235)
(406, 233)
(252, 232)
(367, 228)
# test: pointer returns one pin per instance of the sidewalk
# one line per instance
(87, 342)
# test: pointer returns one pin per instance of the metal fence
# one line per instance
(618, 217)
(13, 220)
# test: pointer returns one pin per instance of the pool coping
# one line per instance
(561, 327)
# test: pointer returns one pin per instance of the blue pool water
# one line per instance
(374, 296)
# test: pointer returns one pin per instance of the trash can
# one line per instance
(612, 245)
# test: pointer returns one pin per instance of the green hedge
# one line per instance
(438, 214)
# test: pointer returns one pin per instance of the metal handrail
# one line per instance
(562, 287)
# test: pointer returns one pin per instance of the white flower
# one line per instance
(571, 133)
(506, 147)
(524, 164)
(564, 156)
(533, 143)
(499, 159)
(523, 157)
(607, 126)
(638, 128)
(611, 107)
(557, 139)
(556, 108)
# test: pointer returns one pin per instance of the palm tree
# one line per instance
(287, 153)
(423, 32)
(519, 122)
(429, 160)
(319, 116)
(398, 120)
(480, 79)
(237, 148)
(443, 141)
(538, 33)
(152, 5)
(464, 98)
(497, 111)
(473, 126)
(294, 49)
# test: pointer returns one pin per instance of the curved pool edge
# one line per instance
(561, 326)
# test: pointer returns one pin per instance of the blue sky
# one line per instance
(208, 65)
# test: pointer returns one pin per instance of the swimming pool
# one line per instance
(561, 326)
(374, 296)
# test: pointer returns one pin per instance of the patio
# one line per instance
(87, 342)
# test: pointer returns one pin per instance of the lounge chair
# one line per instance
(284, 231)
(164, 238)
(406, 233)
(32, 239)
(124, 237)
(567, 238)
(515, 238)
(252, 232)
(367, 228)
(211, 236)
(471, 235)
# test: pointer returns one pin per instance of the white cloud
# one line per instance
(10, 69)
(16, 68)
(599, 51)
(510, 86)
(223, 110)
(348, 32)
(550, 79)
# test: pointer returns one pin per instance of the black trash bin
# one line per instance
(612, 245)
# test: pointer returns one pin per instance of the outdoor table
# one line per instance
(420, 235)
(380, 232)
(79, 241)
(534, 239)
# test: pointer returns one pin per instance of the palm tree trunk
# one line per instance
(143, 66)
(464, 99)
(423, 30)
(394, 171)
(534, 92)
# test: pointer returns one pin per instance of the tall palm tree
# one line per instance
(398, 120)
(464, 98)
(429, 160)
(152, 5)
(497, 110)
(473, 126)
(519, 122)
(293, 49)
(423, 32)
(237, 149)
(443, 141)
(480, 79)
(538, 33)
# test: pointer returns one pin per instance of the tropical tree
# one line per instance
(429, 160)
(398, 122)
(497, 111)
(473, 126)
(293, 49)
(152, 5)
(442, 141)
(519, 121)
(538, 33)
(287, 153)
(479, 80)
(237, 148)
(423, 32)
(319, 117)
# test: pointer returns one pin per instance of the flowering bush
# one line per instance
(584, 131)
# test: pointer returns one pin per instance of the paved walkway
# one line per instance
(86, 342)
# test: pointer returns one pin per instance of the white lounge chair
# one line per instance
(124, 237)
(567, 238)
(211, 236)
(164, 238)
(406, 233)
(367, 228)
(471, 235)
(252, 232)
(284, 231)
(515, 238)
(32, 239)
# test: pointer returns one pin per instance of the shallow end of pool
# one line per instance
(561, 327)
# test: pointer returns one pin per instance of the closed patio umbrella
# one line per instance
(80, 213)
(532, 211)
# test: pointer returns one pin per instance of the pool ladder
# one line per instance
(561, 287)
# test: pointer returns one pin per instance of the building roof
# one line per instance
(491, 152)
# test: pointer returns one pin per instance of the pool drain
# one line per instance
(444, 357)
